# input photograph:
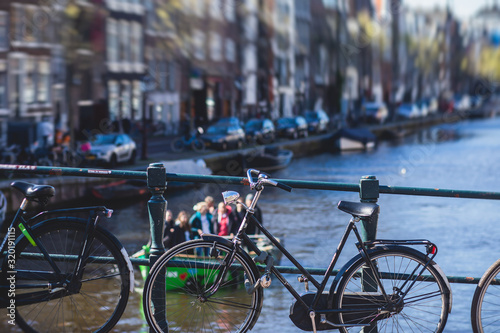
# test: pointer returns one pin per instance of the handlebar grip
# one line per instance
(284, 187)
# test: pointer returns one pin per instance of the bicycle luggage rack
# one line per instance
(157, 180)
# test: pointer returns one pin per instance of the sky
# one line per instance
(462, 8)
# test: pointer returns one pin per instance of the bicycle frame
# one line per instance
(24, 225)
(319, 285)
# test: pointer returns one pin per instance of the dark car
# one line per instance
(292, 127)
(223, 136)
(260, 131)
(317, 121)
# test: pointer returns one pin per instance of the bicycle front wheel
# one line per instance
(485, 310)
(93, 303)
(423, 308)
(177, 145)
(184, 300)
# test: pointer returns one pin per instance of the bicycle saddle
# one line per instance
(32, 191)
(359, 209)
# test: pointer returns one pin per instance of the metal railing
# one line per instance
(157, 181)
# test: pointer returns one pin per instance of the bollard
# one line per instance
(157, 205)
(369, 192)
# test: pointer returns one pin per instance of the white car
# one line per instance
(111, 149)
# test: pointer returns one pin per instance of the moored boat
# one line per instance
(269, 159)
(189, 267)
(354, 139)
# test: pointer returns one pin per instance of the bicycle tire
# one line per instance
(485, 309)
(197, 145)
(177, 145)
(425, 308)
(231, 309)
(105, 286)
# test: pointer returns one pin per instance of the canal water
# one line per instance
(452, 156)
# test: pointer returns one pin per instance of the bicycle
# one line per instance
(485, 309)
(60, 272)
(193, 142)
(388, 287)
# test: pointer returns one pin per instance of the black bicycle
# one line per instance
(62, 273)
(213, 285)
(485, 310)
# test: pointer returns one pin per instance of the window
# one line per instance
(229, 9)
(15, 81)
(230, 50)
(162, 74)
(29, 82)
(124, 41)
(126, 100)
(136, 42)
(215, 8)
(4, 31)
(215, 47)
(3, 84)
(199, 7)
(113, 96)
(171, 76)
(43, 81)
(136, 100)
(112, 40)
(199, 44)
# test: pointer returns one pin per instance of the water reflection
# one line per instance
(455, 156)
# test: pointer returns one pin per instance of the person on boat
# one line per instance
(251, 228)
(169, 228)
(225, 220)
(181, 231)
(201, 221)
(211, 204)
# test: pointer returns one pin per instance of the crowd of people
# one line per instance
(208, 218)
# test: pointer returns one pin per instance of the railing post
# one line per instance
(369, 192)
(157, 205)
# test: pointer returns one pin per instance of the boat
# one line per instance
(178, 276)
(124, 188)
(348, 139)
(128, 188)
(268, 159)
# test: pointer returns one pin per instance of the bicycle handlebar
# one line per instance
(264, 180)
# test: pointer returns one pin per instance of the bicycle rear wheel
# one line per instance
(191, 269)
(198, 145)
(94, 304)
(424, 308)
(485, 310)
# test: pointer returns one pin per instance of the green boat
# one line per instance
(193, 270)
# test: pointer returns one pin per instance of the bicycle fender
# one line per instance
(218, 239)
(383, 248)
(111, 237)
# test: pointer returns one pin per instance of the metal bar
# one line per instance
(298, 184)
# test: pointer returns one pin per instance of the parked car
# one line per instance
(260, 131)
(375, 113)
(230, 120)
(223, 136)
(292, 127)
(111, 149)
(317, 121)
